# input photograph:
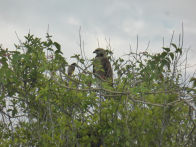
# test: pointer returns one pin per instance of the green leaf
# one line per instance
(82, 61)
(164, 54)
(179, 50)
(14, 112)
(57, 45)
(49, 49)
(194, 81)
(174, 45)
(127, 143)
(49, 42)
(171, 55)
(166, 49)
(58, 52)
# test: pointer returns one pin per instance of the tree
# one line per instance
(40, 105)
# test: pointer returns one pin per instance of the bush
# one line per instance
(41, 105)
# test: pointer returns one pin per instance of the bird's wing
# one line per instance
(102, 68)
(71, 69)
(107, 67)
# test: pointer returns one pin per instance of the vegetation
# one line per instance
(40, 105)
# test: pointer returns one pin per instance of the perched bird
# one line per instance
(102, 68)
(71, 69)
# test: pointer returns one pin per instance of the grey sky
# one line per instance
(118, 20)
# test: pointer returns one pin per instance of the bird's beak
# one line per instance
(94, 52)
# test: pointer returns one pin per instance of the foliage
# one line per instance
(41, 105)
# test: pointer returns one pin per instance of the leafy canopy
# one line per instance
(40, 105)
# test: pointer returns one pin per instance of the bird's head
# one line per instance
(100, 52)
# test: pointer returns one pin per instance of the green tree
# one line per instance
(40, 105)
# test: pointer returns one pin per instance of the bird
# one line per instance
(71, 69)
(102, 68)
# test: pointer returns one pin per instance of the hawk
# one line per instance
(71, 69)
(102, 68)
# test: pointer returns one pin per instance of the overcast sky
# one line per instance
(119, 21)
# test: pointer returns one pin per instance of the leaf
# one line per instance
(118, 132)
(14, 112)
(82, 61)
(48, 36)
(166, 49)
(127, 143)
(49, 42)
(58, 52)
(57, 45)
(9, 110)
(174, 45)
(164, 54)
(194, 81)
(171, 55)
(49, 49)
(166, 62)
(179, 50)
(76, 56)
